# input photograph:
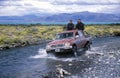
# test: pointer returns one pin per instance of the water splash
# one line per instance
(41, 54)
(94, 51)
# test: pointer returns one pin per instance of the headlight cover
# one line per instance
(67, 44)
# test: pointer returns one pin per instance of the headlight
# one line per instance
(48, 46)
(67, 44)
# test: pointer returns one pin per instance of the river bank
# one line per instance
(22, 44)
(18, 36)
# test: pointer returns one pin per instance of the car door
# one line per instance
(78, 40)
(82, 39)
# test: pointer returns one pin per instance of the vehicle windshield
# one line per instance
(64, 35)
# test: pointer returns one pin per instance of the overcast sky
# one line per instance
(26, 7)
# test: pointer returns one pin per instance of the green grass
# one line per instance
(103, 30)
(20, 34)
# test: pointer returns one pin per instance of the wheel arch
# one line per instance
(74, 45)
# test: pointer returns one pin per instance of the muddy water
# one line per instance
(102, 61)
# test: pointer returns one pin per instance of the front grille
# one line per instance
(59, 45)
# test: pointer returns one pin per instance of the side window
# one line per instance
(76, 33)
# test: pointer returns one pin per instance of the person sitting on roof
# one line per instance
(80, 27)
(70, 25)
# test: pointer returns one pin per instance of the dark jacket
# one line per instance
(70, 26)
(80, 26)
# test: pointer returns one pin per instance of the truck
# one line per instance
(69, 41)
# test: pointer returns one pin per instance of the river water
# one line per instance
(102, 61)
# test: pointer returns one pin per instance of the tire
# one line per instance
(87, 46)
(48, 51)
(74, 49)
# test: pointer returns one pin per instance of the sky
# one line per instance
(45, 7)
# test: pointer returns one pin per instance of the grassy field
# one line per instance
(10, 35)
(24, 35)
(103, 30)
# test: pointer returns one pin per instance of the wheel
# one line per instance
(48, 51)
(87, 46)
(74, 49)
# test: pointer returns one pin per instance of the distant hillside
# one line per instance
(85, 16)
(63, 17)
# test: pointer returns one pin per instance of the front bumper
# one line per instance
(59, 49)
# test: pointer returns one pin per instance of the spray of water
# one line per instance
(42, 54)
(94, 51)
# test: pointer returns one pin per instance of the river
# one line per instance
(102, 61)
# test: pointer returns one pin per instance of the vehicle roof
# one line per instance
(69, 31)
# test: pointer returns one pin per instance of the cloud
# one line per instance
(87, 2)
(25, 7)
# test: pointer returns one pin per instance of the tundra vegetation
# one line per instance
(15, 36)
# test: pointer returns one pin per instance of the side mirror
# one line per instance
(77, 36)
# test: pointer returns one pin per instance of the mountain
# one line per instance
(85, 16)
(64, 17)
